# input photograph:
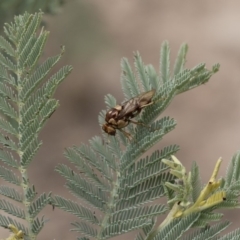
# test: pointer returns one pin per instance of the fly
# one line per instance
(120, 116)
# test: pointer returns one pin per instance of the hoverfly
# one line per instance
(121, 115)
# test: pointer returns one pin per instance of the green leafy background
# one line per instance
(97, 34)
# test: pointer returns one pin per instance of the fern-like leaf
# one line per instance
(7, 109)
(79, 211)
(234, 235)
(39, 204)
(196, 182)
(5, 221)
(129, 84)
(85, 229)
(7, 46)
(207, 217)
(208, 233)
(8, 127)
(26, 103)
(9, 176)
(125, 226)
(181, 59)
(38, 76)
(83, 165)
(8, 158)
(165, 62)
(176, 228)
(233, 173)
(11, 209)
(8, 92)
(7, 63)
(11, 193)
(137, 213)
(37, 225)
(142, 73)
(114, 176)
(153, 77)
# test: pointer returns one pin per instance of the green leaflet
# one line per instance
(165, 62)
(76, 209)
(115, 166)
(26, 103)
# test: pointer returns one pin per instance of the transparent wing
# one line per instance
(136, 104)
(128, 108)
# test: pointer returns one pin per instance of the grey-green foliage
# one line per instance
(10, 8)
(26, 103)
(206, 210)
(115, 185)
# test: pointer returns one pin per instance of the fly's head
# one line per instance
(111, 120)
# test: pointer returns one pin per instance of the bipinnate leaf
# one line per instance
(115, 176)
(26, 103)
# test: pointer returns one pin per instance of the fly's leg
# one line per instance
(148, 104)
(126, 134)
(108, 141)
(144, 125)
(140, 123)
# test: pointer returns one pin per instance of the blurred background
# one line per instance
(97, 34)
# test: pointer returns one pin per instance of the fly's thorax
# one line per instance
(118, 108)
(113, 113)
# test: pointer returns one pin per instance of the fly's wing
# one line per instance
(128, 108)
(135, 103)
(145, 98)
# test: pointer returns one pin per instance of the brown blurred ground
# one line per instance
(97, 34)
